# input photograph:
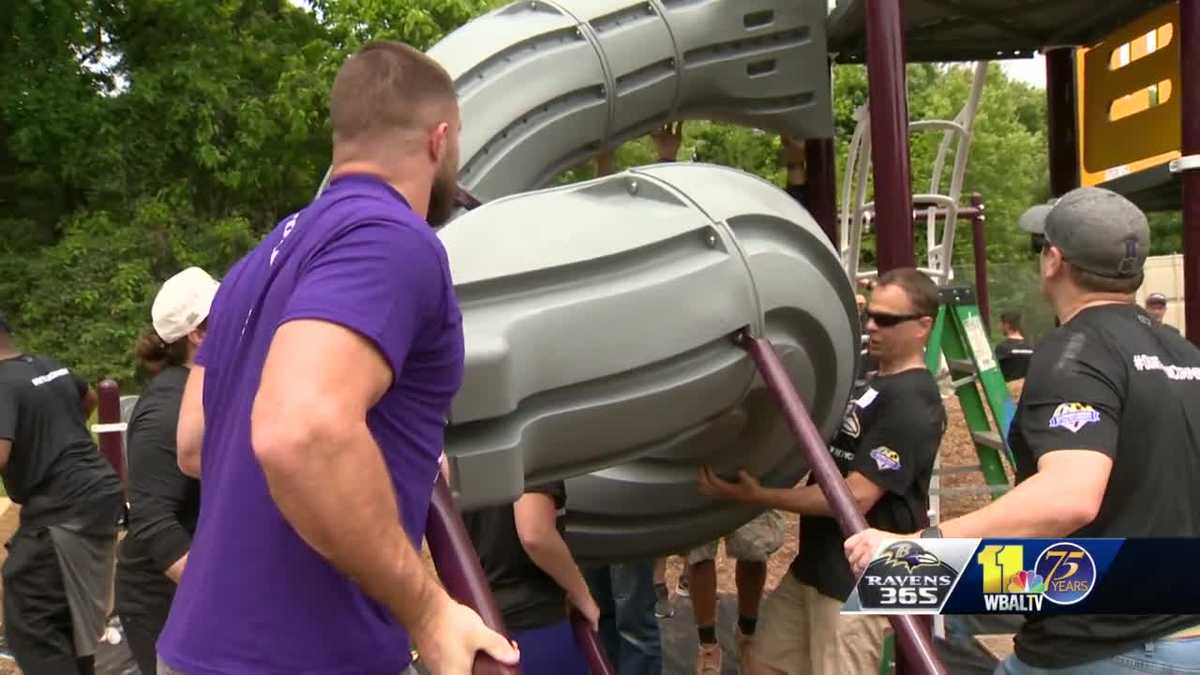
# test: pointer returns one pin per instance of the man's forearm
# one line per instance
(806, 501)
(554, 558)
(337, 494)
(1028, 510)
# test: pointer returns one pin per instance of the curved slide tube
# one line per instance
(545, 85)
(598, 319)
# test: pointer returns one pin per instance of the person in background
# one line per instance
(885, 449)
(662, 597)
(1156, 307)
(534, 578)
(58, 574)
(751, 545)
(163, 502)
(1104, 437)
(1013, 352)
(793, 156)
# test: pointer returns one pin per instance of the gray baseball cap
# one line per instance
(1096, 229)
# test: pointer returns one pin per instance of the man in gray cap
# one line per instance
(1156, 307)
(1103, 437)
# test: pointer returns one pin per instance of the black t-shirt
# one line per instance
(527, 596)
(891, 433)
(54, 471)
(1113, 382)
(1013, 357)
(163, 503)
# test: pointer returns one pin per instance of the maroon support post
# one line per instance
(1062, 128)
(822, 185)
(915, 647)
(589, 642)
(889, 134)
(1189, 55)
(459, 569)
(108, 414)
(979, 239)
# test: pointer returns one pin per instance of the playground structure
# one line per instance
(643, 298)
(600, 65)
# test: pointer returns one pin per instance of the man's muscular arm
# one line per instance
(328, 478)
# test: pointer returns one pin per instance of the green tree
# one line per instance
(141, 136)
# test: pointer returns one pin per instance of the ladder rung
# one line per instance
(970, 379)
(971, 490)
(962, 366)
(988, 439)
(949, 470)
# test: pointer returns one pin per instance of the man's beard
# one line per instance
(441, 198)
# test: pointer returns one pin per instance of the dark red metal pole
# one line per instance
(889, 134)
(1062, 128)
(589, 642)
(915, 646)
(979, 240)
(1189, 56)
(458, 567)
(108, 414)
(822, 185)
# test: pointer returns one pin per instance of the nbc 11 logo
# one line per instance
(1063, 573)
(905, 576)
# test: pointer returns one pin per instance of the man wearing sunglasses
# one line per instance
(1104, 437)
(885, 449)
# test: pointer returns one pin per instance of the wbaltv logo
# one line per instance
(1064, 573)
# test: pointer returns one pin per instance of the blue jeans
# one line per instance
(628, 628)
(1163, 657)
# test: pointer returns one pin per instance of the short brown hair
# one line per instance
(920, 289)
(387, 87)
(1095, 283)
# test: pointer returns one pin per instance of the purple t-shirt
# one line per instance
(255, 598)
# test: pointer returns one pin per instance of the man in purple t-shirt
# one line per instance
(314, 415)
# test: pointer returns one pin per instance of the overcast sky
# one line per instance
(1032, 70)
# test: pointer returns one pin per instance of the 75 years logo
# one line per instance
(1063, 573)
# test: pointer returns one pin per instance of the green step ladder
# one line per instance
(960, 338)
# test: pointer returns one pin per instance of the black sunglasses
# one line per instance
(889, 320)
(1039, 243)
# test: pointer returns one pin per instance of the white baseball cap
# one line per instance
(182, 303)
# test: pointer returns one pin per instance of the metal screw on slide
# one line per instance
(913, 642)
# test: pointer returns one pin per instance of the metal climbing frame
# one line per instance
(940, 210)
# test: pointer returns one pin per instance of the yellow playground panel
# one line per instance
(1128, 101)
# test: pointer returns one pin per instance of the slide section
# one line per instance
(599, 321)
(545, 85)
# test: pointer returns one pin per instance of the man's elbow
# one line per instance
(189, 463)
(284, 444)
(1076, 514)
(535, 541)
(865, 503)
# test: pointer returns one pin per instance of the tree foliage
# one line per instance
(141, 136)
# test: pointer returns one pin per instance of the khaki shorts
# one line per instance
(802, 631)
(753, 542)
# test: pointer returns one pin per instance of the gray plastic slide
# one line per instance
(599, 321)
(545, 85)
